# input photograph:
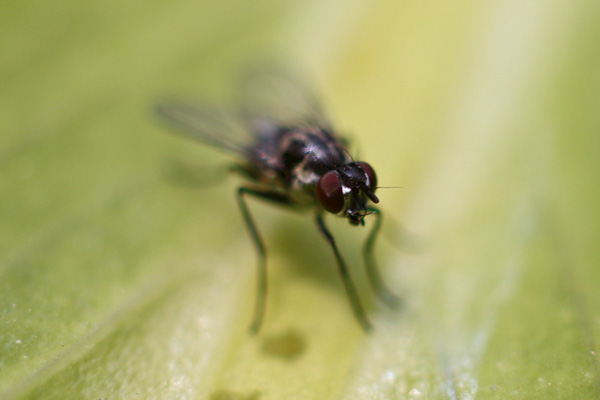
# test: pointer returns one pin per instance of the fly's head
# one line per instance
(347, 191)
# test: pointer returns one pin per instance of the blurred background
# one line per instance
(125, 267)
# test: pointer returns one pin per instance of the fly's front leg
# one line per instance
(261, 293)
(384, 294)
(357, 307)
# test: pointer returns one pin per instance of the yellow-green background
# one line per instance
(120, 281)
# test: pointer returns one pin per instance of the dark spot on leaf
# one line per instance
(229, 395)
(287, 345)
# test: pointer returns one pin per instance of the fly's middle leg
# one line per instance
(355, 303)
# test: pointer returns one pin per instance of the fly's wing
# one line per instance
(281, 99)
(209, 126)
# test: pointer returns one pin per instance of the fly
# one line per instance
(290, 155)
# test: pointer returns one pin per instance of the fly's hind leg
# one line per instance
(384, 294)
(355, 303)
(261, 293)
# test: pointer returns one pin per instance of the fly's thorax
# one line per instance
(307, 153)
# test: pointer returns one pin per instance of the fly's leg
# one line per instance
(261, 293)
(384, 294)
(357, 307)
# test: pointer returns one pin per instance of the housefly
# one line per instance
(289, 155)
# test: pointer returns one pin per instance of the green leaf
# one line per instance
(118, 279)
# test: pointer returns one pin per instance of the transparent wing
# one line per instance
(281, 97)
(269, 99)
(206, 125)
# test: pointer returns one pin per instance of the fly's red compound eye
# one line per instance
(370, 174)
(329, 192)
